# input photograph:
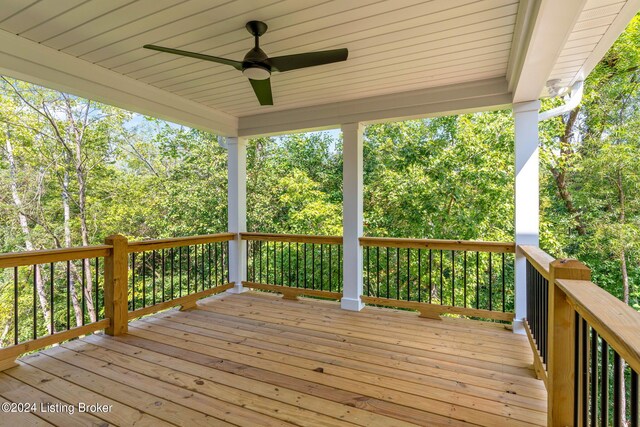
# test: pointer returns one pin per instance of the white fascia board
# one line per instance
(616, 28)
(542, 29)
(484, 95)
(26, 60)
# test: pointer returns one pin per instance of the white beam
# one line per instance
(237, 210)
(542, 29)
(352, 216)
(26, 60)
(440, 101)
(527, 199)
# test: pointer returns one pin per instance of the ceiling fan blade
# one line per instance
(262, 88)
(235, 64)
(311, 59)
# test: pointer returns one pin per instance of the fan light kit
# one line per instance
(257, 66)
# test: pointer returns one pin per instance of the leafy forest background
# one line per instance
(74, 171)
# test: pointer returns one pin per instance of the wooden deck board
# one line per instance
(255, 359)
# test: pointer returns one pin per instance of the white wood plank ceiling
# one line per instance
(395, 46)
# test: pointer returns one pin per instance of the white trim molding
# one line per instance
(237, 211)
(26, 60)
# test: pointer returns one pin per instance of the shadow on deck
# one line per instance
(257, 360)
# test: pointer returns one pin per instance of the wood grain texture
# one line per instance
(538, 365)
(17, 259)
(152, 245)
(299, 238)
(615, 322)
(454, 245)
(292, 293)
(116, 274)
(433, 311)
(185, 301)
(256, 359)
(538, 258)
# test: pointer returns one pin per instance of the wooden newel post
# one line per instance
(561, 338)
(115, 285)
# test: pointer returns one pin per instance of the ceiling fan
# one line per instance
(257, 66)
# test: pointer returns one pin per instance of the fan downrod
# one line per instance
(256, 28)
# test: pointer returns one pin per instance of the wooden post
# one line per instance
(115, 285)
(560, 363)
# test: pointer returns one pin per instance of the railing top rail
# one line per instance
(538, 258)
(155, 244)
(457, 245)
(299, 238)
(17, 259)
(615, 321)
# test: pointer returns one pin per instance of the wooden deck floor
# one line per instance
(257, 360)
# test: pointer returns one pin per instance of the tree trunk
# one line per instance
(67, 242)
(24, 225)
(625, 290)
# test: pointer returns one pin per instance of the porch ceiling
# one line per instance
(94, 48)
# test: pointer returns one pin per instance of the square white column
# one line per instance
(527, 198)
(352, 216)
(237, 210)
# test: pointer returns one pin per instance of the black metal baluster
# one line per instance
(584, 351)
(172, 256)
(260, 260)
(215, 261)
(153, 276)
(617, 389)
(15, 305)
(388, 274)
(490, 283)
(430, 276)
(282, 263)
(313, 266)
(378, 271)
(321, 268)
(297, 264)
(289, 278)
(253, 263)
(464, 277)
(503, 285)
(330, 274)
(84, 285)
(51, 299)
(35, 311)
(267, 260)
(68, 295)
(441, 275)
(209, 262)
(453, 277)
(204, 272)
(180, 271)
(97, 303)
(368, 275)
(419, 275)
(339, 267)
(195, 268)
(275, 262)
(144, 279)
(226, 250)
(163, 274)
(408, 274)
(594, 377)
(397, 273)
(188, 270)
(133, 281)
(604, 385)
(477, 279)
(304, 263)
(577, 373)
(634, 399)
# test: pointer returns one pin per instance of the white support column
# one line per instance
(527, 197)
(352, 216)
(237, 211)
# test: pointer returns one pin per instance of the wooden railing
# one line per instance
(592, 345)
(468, 278)
(62, 294)
(294, 264)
